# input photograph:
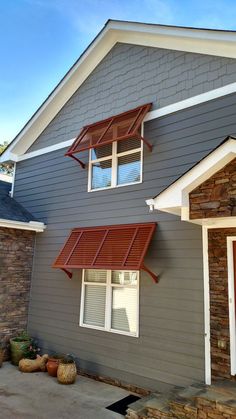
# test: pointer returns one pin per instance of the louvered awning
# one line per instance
(119, 247)
(116, 128)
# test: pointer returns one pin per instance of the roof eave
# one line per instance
(38, 227)
(175, 198)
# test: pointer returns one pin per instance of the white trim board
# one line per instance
(192, 101)
(157, 113)
(211, 42)
(5, 178)
(31, 225)
(231, 299)
(207, 324)
(45, 150)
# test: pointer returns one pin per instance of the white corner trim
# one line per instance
(44, 150)
(31, 225)
(231, 299)
(217, 43)
(207, 335)
(192, 101)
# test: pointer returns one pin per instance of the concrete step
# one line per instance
(154, 405)
(185, 403)
(137, 409)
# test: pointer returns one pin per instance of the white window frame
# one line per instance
(114, 160)
(108, 306)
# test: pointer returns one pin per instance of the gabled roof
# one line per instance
(202, 41)
(175, 198)
(13, 214)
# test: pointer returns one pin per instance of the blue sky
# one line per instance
(41, 39)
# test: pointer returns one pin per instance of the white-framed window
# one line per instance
(110, 301)
(117, 164)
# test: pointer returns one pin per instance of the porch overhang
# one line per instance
(175, 198)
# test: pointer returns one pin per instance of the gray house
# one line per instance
(129, 169)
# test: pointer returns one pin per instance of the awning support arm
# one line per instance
(83, 165)
(154, 276)
(68, 273)
(146, 142)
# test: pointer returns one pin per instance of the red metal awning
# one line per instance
(116, 128)
(117, 247)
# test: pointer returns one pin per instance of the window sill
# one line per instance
(118, 332)
(114, 187)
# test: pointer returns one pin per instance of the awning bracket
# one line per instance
(68, 273)
(154, 276)
(149, 145)
(83, 165)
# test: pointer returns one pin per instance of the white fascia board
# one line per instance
(180, 41)
(174, 31)
(8, 156)
(210, 42)
(176, 196)
(31, 225)
(5, 178)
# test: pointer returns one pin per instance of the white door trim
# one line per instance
(231, 300)
(207, 330)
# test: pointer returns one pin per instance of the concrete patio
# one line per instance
(39, 396)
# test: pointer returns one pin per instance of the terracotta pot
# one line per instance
(52, 366)
(66, 373)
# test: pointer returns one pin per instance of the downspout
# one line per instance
(11, 193)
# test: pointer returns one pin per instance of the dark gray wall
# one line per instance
(170, 348)
(132, 75)
(54, 188)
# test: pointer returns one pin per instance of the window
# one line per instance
(115, 164)
(110, 301)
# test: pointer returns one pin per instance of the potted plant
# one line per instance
(53, 363)
(67, 371)
(19, 346)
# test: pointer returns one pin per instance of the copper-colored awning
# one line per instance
(117, 247)
(116, 128)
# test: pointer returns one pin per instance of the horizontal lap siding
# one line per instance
(170, 348)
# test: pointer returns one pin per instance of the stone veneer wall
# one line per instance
(16, 256)
(219, 312)
(216, 197)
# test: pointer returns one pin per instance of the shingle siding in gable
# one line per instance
(131, 75)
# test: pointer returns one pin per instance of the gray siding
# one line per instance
(170, 348)
(132, 75)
